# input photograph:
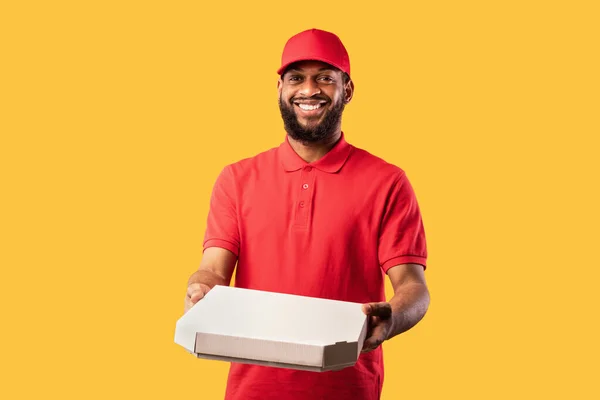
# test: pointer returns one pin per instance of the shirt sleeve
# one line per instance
(222, 228)
(402, 235)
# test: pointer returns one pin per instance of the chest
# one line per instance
(329, 206)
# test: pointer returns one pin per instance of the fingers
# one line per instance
(187, 304)
(379, 320)
(192, 288)
(376, 338)
(195, 292)
(196, 296)
(382, 310)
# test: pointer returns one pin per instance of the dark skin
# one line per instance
(312, 84)
(405, 309)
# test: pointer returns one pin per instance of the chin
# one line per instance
(309, 124)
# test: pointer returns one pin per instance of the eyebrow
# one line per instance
(301, 71)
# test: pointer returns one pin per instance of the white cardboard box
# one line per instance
(273, 329)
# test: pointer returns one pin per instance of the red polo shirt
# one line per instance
(328, 229)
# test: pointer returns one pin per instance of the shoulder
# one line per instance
(374, 167)
(247, 165)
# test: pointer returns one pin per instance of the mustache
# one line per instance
(310, 98)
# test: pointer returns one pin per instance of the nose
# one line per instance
(310, 88)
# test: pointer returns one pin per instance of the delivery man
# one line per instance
(317, 217)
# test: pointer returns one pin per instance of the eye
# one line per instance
(294, 78)
(326, 78)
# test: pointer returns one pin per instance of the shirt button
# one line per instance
(305, 186)
(308, 169)
(301, 204)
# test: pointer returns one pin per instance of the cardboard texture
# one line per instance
(273, 329)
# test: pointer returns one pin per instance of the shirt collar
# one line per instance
(331, 162)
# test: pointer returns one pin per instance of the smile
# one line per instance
(310, 107)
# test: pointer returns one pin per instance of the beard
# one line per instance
(310, 134)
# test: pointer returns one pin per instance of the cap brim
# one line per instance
(282, 69)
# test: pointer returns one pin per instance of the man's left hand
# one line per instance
(379, 324)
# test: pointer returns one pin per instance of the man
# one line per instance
(317, 217)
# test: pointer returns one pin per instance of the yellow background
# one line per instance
(117, 116)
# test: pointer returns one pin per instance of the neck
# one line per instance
(311, 152)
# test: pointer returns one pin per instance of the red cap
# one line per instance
(318, 45)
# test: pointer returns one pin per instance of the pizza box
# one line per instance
(273, 329)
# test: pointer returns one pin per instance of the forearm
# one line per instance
(409, 305)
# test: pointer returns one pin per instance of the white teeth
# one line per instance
(308, 107)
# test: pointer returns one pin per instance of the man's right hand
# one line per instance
(195, 292)
(216, 268)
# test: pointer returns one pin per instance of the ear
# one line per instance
(348, 91)
(279, 85)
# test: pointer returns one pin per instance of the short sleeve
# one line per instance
(222, 228)
(401, 234)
